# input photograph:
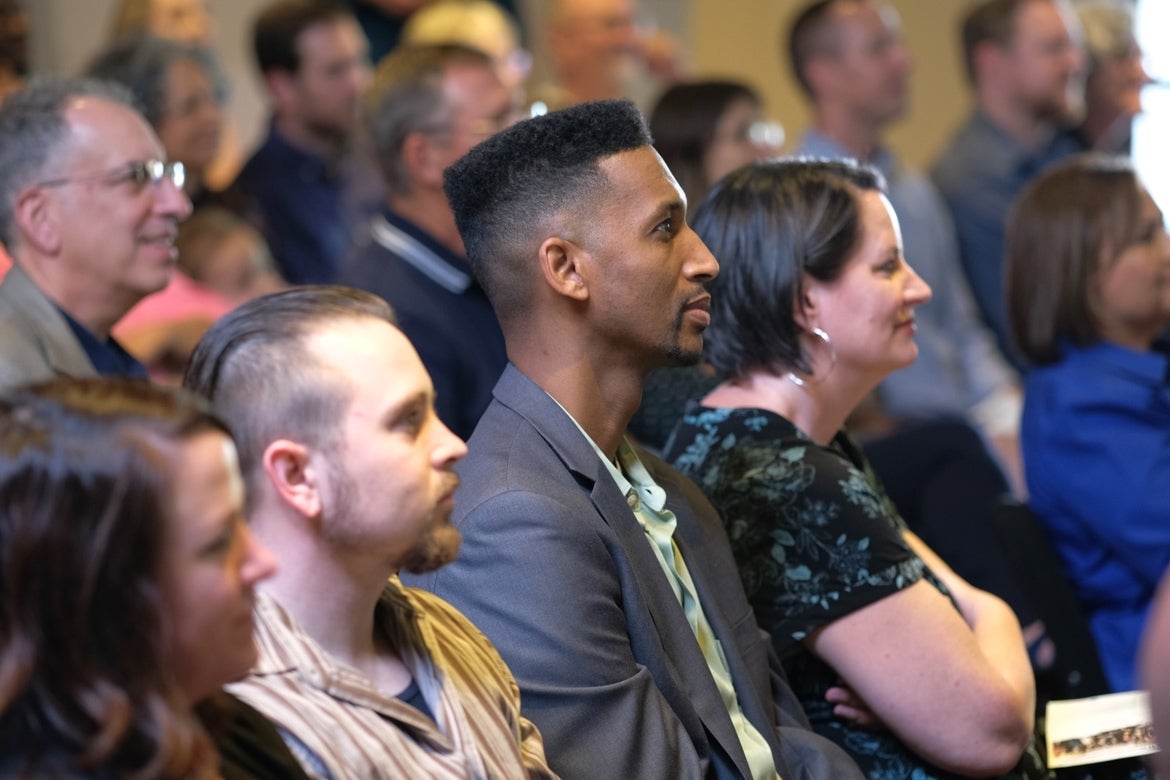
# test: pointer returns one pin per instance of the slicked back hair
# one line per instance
(504, 190)
(1067, 226)
(771, 224)
(36, 135)
(254, 367)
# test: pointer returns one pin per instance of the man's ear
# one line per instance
(988, 59)
(421, 163)
(282, 86)
(560, 263)
(37, 219)
(819, 73)
(293, 476)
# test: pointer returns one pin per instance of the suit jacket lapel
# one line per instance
(684, 660)
(47, 326)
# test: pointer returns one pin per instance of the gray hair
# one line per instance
(143, 62)
(1108, 28)
(407, 97)
(35, 133)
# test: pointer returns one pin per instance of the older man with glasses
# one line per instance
(89, 209)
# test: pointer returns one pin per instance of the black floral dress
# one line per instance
(815, 538)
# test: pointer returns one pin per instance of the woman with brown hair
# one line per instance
(126, 589)
(1088, 283)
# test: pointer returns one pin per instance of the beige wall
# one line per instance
(741, 39)
(733, 38)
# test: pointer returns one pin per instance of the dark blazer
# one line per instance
(558, 573)
(36, 342)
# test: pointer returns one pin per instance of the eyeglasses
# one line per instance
(140, 172)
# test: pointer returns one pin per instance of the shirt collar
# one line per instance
(632, 477)
(109, 358)
(817, 144)
(1150, 365)
(1010, 154)
(399, 235)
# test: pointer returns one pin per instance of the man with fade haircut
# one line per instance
(428, 105)
(1024, 62)
(350, 480)
(603, 575)
(89, 210)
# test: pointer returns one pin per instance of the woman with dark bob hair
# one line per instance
(126, 589)
(1088, 282)
(706, 129)
(812, 308)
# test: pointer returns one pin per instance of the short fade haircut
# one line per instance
(35, 134)
(406, 97)
(505, 189)
(810, 37)
(770, 224)
(142, 63)
(278, 27)
(989, 21)
(254, 367)
(1068, 225)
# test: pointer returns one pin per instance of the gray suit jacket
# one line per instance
(36, 342)
(557, 572)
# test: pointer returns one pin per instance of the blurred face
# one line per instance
(116, 235)
(1114, 88)
(334, 70)
(210, 568)
(647, 268)
(191, 121)
(1133, 291)
(596, 36)
(868, 311)
(239, 267)
(870, 72)
(733, 145)
(479, 106)
(390, 479)
(1043, 61)
(186, 21)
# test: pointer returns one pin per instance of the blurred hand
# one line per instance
(849, 706)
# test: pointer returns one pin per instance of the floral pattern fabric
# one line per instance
(815, 538)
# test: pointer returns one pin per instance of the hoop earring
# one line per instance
(801, 382)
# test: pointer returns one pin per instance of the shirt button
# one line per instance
(632, 499)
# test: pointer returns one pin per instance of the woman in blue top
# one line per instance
(1088, 280)
(812, 308)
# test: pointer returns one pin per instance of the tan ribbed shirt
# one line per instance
(341, 727)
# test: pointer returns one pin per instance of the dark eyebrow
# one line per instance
(421, 398)
(666, 210)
